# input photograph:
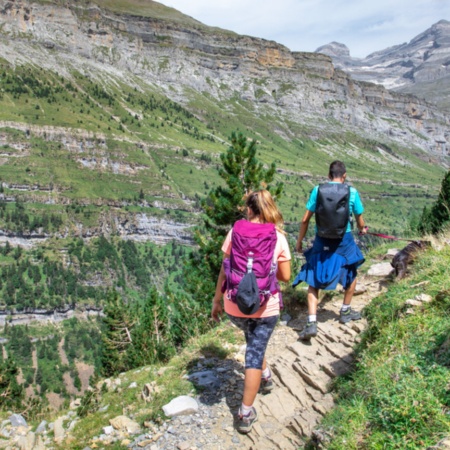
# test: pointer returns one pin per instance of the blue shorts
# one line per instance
(257, 334)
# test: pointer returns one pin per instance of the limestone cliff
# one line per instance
(177, 53)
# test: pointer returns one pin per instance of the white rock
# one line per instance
(75, 404)
(360, 289)
(180, 406)
(380, 270)
(108, 429)
(24, 442)
(72, 425)
(17, 420)
(59, 429)
(425, 298)
(412, 302)
(41, 427)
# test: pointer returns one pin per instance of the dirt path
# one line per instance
(62, 353)
(302, 373)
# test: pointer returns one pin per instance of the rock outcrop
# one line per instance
(421, 66)
(178, 54)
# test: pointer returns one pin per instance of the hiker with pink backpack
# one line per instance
(256, 256)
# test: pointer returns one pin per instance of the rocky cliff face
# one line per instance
(179, 56)
(409, 67)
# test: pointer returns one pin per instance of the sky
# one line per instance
(364, 26)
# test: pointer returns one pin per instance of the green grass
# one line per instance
(398, 397)
(169, 379)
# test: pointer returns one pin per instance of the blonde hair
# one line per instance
(264, 207)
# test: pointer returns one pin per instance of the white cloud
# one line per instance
(304, 25)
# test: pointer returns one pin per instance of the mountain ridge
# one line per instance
(408, 67)
(246, 56)
(298, 106)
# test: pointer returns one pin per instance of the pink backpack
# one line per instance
(251, 257)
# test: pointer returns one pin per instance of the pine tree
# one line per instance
(116, 337)
(242, 173)
(434, 219)
(11, 392)
(153, 334)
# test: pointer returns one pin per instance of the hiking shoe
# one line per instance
(347, 316)
(309, 331)
(245, 423)
(266, 384)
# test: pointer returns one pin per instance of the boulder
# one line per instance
(58, 429)
(179, 406)
(123, 423)
(380, 269)
(42, 427)
(17, 420)
(424, 298)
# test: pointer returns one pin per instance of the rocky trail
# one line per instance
(302, 372)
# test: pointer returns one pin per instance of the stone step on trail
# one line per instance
(302, 375)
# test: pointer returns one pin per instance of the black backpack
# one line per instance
(332, 210)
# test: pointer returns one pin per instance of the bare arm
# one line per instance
(284, 271)
(303, 229)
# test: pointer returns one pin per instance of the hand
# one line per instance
(216, 311)
(363, 230)
(299, 247)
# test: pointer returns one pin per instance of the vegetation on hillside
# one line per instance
(129, 146)
(437, 217)
(398, 396)
(69, 273)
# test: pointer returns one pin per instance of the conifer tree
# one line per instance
(152, 335)
(11, 392)
(116, 337)
(434, 219)
(242, 173)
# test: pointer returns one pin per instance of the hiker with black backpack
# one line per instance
(256, 256)
(334, 257)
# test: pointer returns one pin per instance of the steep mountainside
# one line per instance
(144, 97)
(420, 67)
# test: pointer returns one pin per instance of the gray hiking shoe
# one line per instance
(309, 331)
(245, 423)
(266, 384)
(347, 316)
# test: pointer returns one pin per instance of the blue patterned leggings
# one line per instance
(257, 334)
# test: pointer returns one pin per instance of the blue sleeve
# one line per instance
(357, 206)
(312, 201)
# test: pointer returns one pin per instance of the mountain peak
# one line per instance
(411, 67)
(334, 49)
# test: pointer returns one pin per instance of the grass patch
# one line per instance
(398, 397)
